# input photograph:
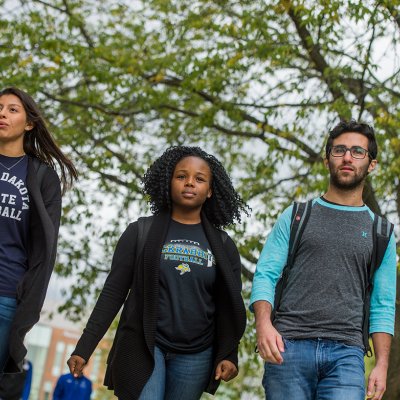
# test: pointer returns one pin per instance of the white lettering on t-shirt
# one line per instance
(10, 207)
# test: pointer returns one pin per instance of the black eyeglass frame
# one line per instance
(350, 150)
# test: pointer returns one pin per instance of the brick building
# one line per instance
(49, 344)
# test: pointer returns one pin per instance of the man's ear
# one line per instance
(326, 161)
(372, 165)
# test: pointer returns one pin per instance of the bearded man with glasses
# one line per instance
(314, 348)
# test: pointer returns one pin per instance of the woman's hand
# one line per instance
(226, 370)
(76, 364)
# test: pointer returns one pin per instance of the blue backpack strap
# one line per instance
(300, 215)
(381, 232)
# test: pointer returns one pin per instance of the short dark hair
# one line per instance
(222, 208)
(353, 126)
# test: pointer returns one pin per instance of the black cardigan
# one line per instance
(44, 221)
(133, 281)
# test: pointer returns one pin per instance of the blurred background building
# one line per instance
(50, 344)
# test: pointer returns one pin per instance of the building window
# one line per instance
(58, 359)
(47, 389)
(70, 349)
(96, 365)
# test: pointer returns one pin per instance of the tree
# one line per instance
(257, 83)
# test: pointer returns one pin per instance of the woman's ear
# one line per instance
(29, 126)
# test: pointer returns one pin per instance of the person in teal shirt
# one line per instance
(315, 341)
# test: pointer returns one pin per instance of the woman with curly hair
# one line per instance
(183, 314)
(30, 209)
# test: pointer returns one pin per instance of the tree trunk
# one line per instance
(393, 381)
(369, 197)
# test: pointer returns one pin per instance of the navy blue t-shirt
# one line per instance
(14, 222)
(186, 297)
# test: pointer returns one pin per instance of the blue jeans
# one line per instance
(316, 369)
(8, 305)
(178, 376)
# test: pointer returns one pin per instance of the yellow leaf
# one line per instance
(25, 61)
(157, 78)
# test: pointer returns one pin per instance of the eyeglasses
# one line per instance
(355, 151)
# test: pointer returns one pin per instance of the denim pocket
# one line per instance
(288, 342)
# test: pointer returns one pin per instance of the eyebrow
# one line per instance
(185, 170)
(343, 145)
(12, 105)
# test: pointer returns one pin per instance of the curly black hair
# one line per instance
(222, 208)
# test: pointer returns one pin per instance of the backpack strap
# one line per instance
(381, 232)
(223, 235)
(40, 169)
(144, 224)
(300, 215)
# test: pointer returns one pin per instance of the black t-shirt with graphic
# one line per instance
(186, 298)
(14, 222)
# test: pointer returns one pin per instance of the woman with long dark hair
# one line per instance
(179, 278)
(30, 209)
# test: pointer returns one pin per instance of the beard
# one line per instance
(347, 183)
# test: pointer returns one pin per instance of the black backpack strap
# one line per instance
(144, 224)
(300, 215)
(40, 169)
(223, 236)
(381, 232)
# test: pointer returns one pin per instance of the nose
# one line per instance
(347, 156)
(189, 181)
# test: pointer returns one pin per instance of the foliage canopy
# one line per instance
(257, 83)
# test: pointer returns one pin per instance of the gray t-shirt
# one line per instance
(324, 296)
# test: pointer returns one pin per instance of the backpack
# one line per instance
(381, 231)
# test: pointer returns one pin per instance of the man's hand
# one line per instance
(377, 378)
(269, 341)
(76, 364)
(377, 383)
(226, 370)
(270, 344)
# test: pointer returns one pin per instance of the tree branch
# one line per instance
(99, 107)
(82, 29)
(313, 50)
(392, 11)
(247, 273)
(361, 99)
(262, 125)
